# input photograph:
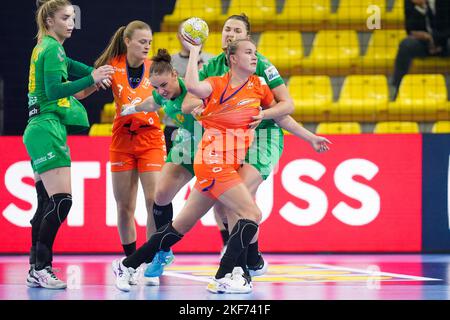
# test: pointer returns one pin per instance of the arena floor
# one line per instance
(290, 277)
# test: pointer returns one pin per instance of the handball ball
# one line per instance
(196, 30)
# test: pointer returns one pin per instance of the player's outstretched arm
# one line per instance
(148, 105)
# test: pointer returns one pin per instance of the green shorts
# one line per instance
(46, 143)
(183, 153)
(266, 150)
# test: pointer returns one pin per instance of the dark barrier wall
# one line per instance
(99, 20)
(436, 214)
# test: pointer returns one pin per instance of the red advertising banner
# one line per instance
(362, 196)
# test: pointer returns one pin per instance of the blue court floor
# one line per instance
(290, 277)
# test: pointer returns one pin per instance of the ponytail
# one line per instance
(116, 46)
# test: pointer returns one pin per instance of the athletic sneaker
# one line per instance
(151, 281)
(156, 267)
(32, 281)
(239, 275)
(231, 283)
(134, 278)
(260, 268)
(123, 275)
(46, 278)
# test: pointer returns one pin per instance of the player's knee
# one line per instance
(125, 210)
(162, 197)
(58, 208)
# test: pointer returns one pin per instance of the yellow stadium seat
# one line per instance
(431, 65)
(108, 113)
(338, 128)
(208, 10)
(284, 49)
(396, 127)
(382, 50)
(312, 97)
(304, 12)
(166, 40)
(352, 12)
(421, 98)
(260, 12)
(213, 44)
(361, 97)
(101, 130)
(396, 16)
(441, 127)
(333, 50)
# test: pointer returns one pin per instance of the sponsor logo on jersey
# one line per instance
(272, 73)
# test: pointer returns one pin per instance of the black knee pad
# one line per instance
(58, 208)
(162, 214)
(42, 202)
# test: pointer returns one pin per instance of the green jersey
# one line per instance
(172, 108)
(49, 90)
(218, 66)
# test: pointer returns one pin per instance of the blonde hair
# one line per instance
(116, 46)
(47, 9)
(233, 47)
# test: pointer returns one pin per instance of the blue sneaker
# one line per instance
(156, 267)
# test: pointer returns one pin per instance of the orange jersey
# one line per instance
(229, 112)
(227, 136)
(125, 94)
(137, 132)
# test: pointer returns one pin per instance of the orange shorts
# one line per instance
(144, 151)
(215, 179)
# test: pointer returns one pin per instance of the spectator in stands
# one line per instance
(179, 63)
(427, 23)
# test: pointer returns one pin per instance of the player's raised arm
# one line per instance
(202, 89)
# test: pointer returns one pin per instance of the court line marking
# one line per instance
(373, 273)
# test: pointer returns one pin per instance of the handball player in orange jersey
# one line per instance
(137, 150)
(232, 110)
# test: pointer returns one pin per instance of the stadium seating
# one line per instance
(213, 44)
(312, 97)
(303, 14)
(338, 128)
(108, 113)
(381, 51)
(260, 12)
(208, 10)
(334, 52)
(396, 127)
(394, 18)
(167, 40)
(421, 98)
(441, 127)
(283, 49)
(354, 13)
(361, 97)
(101, 130)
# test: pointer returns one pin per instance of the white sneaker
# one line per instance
(260, 268)
(134, 278)
(123, 275)
(151, 281)
(228, 285)
(47, 279)
(32, 281)
(239, 276)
